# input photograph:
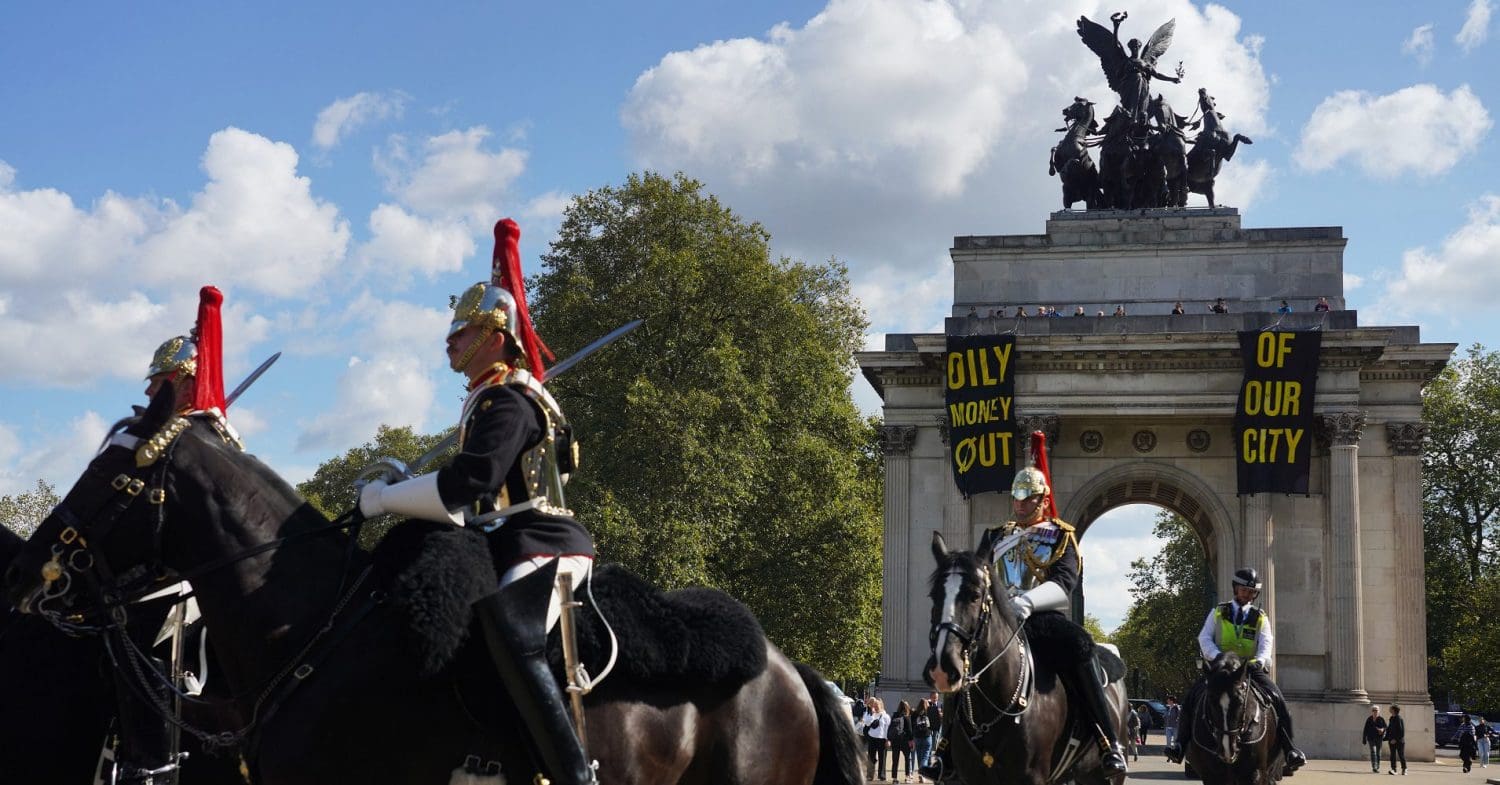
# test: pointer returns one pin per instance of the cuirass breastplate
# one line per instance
(1023, 555)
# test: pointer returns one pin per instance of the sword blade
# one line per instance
(562, 367)
(249, 380)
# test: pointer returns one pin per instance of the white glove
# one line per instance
(1047, 596)
(1022, 607)
(370, 503)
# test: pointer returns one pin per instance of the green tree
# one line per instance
(1461, 508)
(1095, 629)
(720, 443)
(24, 511)
(331, 488)
(1173, 592)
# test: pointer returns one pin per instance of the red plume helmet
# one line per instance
(1039, 458)
(505, 272)
(208, 393)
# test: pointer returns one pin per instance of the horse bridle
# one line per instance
(1250, 697)
(970, 639)
(113, 596)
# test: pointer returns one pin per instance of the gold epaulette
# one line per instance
(1064, 525)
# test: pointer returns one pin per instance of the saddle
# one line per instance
(435, 572)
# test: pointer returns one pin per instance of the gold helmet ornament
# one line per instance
(175, 355)
(1036, 477)
(499, 305)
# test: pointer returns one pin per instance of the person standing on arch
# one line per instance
(1239, 627)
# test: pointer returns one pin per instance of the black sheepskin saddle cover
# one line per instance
(434, 573)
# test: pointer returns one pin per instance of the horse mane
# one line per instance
(1225, 672)
(251, 478)
(971, 565)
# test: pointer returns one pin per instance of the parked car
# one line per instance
(1156, 711)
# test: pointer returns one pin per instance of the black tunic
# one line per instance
(503, 426)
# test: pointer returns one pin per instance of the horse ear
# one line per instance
(939, 546)
(157, 413)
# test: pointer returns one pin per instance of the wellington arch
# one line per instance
(1140, 408)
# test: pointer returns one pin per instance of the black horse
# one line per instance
(1212, 147)
(60, 700)
(311, 640)
(1235, 729)
(1012, 719)
(1070, 159)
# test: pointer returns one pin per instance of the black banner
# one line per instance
(980, 374)
(1273, 423)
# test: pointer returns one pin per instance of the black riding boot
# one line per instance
(1294, 756)
(1091, 689)
(515, 627)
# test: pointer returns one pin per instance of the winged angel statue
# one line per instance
(1130, 74)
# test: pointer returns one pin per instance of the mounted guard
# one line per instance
(1037, 566)
(516, 452)
(1239, 627)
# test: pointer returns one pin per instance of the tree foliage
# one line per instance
(24, 511)
(1460, 515)
(720, 443)
(1173, 592)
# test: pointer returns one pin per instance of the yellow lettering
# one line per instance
(955, 370)
(987, 450)
(1293, 437)
(973, 375)
(1265, 350)
(1283, 348)
(984, 365)
(1247, 451)
(1253, 397)
(1292, 399)
(964, 454)
(1004, 407)
(1273, 399)
(1002, 353)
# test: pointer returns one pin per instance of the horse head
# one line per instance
(122, 530)
(1080, 113)
(1228, 705)
(969, 614)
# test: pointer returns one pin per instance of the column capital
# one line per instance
(897, 439)
(943, 427)
(1342, 429)
(1405, 438)
(1049, 424)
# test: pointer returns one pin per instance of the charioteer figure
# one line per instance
(1036, 556)
(515, 454)
(1240, 628)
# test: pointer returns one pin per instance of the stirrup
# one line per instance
(1114, 761)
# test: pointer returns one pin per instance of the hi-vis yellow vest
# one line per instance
(1239, 639)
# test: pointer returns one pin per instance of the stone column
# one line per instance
(1410, 614)
(1255, 551)
(956, 519)
(1345, 650)
(896, 442)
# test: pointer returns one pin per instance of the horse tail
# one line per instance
(838, 747)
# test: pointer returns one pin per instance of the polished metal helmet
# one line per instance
(175, 355)
(1248, 577)
(486, 305)
(1029, 482)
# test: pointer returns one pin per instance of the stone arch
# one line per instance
(1168, 486)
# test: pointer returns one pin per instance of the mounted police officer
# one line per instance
(515, 454)
(1036, 556)
(1240, 628)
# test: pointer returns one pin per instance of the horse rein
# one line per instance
(1241, 731)
(1018, 703)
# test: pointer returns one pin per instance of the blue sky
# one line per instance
(335, 168)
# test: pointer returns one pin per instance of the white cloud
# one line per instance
(401, 243)
(392, 389)
(456, 178)
(1457, 279)
(1419, 44)
(342, 117)
(880, 129)
(1352, 281)
(58, 458)
(1416, 130)
(1476, 25)
(255, 223)
(247, 422)
(1112, 542)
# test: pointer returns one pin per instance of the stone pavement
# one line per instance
(1446, 769)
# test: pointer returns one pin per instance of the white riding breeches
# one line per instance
(577, 566)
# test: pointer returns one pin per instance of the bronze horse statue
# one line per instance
(1070, 159)
(1009, 718)
(1212, 147)
(1169, 147)
(1234, 729)
(317, 653)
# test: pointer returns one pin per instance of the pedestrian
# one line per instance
(1482, 735)
(1466, 743)
(1395, 733)
(1322, 305)
(921, 728)
(1374, 736)
(1285, 308)
(1170, 720)
(1133, 732)
(902, 743)
(876, 727)
(934, 718)
(1145, 722)
(1219, 306)
(1177, 309)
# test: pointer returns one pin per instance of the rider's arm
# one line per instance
(1264, 643)
(504, 424)
(1206, 644)
(1052, 594)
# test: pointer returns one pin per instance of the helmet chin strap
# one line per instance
(463, 360)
